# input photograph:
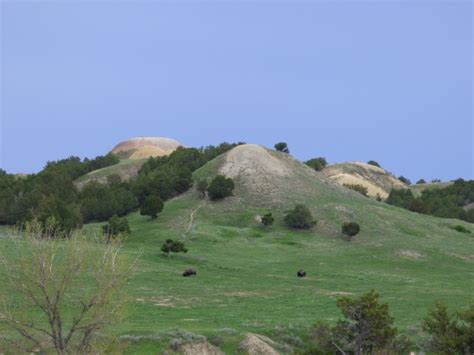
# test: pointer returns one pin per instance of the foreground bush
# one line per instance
(367, 327)
(449, 333)
(300, 218)
(220, 187)
(66, 301)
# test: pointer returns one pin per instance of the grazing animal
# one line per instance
(189, 272)
(301, 273)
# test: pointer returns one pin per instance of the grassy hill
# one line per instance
(126, 169)
(246, 278)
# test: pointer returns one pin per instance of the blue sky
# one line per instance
(383, 80)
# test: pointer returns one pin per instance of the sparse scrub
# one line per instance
(201, 187)
(358, 188)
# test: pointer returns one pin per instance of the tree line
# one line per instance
(52, 193)
(448, 202)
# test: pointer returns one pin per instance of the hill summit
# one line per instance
(145, 147)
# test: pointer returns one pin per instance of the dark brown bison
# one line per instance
(189, 272)
(301, 273)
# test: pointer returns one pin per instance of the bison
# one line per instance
(301, 273)
(189, 272)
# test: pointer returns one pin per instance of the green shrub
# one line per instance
(374, 163)
(404, 180)
(317, 164)
(359, 188)
(300, 218)
(449, 333)
(350, 228)
(173, 246)
(151, 206)
(220, 187)
(115, 226)
(461, 229)
(267, 219)
(421, 181)
(282, 147)
(367, 328)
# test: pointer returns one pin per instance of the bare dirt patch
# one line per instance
(410, 254)
(255, 344)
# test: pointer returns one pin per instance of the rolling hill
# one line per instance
(246, 278)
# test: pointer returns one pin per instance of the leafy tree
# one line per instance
(358, 188)
(436, 180)
(220, 187)
(404, 180)
(73, 293)
(374, 163)
(421, 181)
(300, 218)
(151, 206)
(350, 229)
(173, 246)
(449, 333)
(115, 226)
(317, 164)
(202, 186)
(282, 147)
(267, 219)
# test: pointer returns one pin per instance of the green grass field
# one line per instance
(247, 280)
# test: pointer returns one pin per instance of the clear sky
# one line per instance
(353, 80)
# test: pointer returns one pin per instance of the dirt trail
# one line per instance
(191, 218)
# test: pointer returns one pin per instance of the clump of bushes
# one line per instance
(151, 206)
(421, 181)
(461, 229)
(350, 229)
(300, 218)
(173, 246)
(359, 188)
(317, 164)
(220, 187)
(268, 219)
(282, 147)
(115, 226)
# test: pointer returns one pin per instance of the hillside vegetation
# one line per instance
(246, 273)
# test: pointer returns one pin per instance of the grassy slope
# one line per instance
(247, 275)
(126, 169)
